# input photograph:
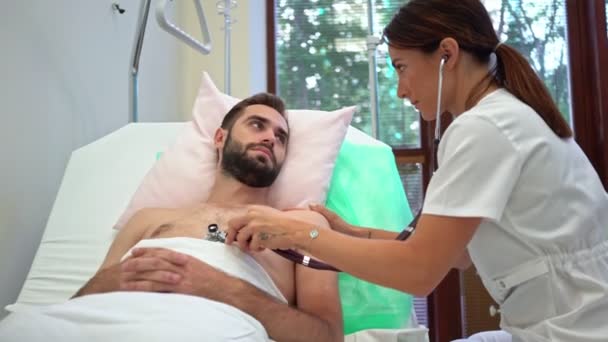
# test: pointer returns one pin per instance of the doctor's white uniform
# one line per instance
(542, 247)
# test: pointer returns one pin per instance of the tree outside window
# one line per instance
(322, 60)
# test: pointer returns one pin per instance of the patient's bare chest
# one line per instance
(194, 222)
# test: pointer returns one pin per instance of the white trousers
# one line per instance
(488, 336)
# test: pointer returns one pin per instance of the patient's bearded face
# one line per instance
(255, 170)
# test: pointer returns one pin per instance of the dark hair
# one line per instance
(423, 24)
(265, 99)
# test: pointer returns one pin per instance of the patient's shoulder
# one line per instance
(148, 216)
(302, 214)
(146, 213)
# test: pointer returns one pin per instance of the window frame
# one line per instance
(588, 49)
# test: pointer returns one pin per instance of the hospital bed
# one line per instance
(101, 178)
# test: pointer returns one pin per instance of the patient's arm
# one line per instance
(317, 294)
(283, 323)
(373, 233)
(107, 277)
(319, 314)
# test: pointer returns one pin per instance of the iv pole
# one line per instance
(203, 47)
(225, 7)
(372, 43)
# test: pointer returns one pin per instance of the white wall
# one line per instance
(248, 50)
(64, 82)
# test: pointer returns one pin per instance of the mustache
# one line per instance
(266, 146)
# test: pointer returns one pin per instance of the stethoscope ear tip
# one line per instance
(439, 91)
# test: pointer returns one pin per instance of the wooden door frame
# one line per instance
(588, 48)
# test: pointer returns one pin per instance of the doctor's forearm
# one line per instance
(415, 266)
(464, 262)
(388, 263)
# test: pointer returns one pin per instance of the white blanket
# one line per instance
(229, 259)
(145, 316)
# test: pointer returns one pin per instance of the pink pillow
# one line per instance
(183, 176)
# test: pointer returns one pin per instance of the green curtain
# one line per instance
(366, 190)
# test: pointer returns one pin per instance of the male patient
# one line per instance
(168, 250)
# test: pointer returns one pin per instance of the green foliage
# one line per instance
(537, 29)
(322, 58)
(322, 63)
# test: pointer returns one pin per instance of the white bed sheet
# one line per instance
(98, 183)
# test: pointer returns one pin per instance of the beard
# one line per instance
(256, 172)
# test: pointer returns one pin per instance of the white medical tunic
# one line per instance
(542, 247)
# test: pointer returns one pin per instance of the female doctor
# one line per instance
(513, 190)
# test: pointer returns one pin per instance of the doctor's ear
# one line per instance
(449, 49)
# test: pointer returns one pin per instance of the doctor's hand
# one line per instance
(335, 221)
(264, 227)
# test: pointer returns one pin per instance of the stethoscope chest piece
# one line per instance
(214, 234)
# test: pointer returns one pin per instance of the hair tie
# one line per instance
(497, 45)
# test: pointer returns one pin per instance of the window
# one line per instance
(322, 63)
(537, 29)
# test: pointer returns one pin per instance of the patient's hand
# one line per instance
(153, 270)
(163, 270)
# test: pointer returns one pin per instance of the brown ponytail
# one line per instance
(515, 74)
(422, 24)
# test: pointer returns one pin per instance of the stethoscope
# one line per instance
(214, 234)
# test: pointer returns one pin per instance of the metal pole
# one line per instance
(372, 43)
(227, 27)
(141, 32)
